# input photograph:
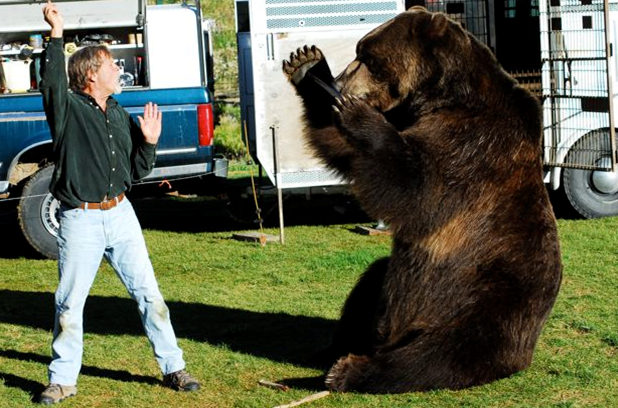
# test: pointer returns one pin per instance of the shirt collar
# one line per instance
(110, 99)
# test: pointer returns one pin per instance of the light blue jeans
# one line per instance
(85, 236)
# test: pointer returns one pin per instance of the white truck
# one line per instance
(166, 54)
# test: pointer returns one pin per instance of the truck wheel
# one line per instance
(38, 213)
(593, 194)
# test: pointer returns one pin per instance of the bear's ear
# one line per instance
(439, 23)
(417, 8)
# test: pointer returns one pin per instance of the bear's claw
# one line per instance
(301, 62)
(360, 122)
(347, 373)
(350, 110)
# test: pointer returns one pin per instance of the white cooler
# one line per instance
(17, 75)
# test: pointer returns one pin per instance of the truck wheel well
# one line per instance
(28, 163)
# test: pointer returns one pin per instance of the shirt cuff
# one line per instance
(149, 147)
(57, 41)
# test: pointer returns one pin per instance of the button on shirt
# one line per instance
(96, 154)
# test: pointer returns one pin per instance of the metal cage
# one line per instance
(578, 68)
(473, 15)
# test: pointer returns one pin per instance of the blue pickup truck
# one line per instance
(165, 54)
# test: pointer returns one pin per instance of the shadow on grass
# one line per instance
(118, 375)
(14, 244)
(236, 211)
(34, 388)
(276, 336)
(231, 210)
(31, 387)
(224, 209)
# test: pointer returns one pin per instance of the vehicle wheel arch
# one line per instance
(38, 155)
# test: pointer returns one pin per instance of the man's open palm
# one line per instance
(151, 123)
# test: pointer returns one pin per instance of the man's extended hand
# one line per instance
(54, 19)
(151, 123)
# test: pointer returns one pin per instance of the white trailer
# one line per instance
(268, 31)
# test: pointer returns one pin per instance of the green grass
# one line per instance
(244, 313)
(224, 44)
(228, 135)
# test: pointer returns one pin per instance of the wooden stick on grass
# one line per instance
(274, 385)
(309, 398)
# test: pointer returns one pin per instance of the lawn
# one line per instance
(243, 312)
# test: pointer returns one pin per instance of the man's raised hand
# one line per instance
(151, 123)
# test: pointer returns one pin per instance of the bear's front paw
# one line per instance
(357, 118)
(301, 62)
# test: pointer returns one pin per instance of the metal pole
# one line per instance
(278, 184)
(610, 80)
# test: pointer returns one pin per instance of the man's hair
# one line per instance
(83, 61)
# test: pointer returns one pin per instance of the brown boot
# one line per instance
(55, 393)
(181, 381)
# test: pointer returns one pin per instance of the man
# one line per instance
(99, 151)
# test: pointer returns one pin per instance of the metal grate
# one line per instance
(530, 80)
(290, 14)
(326, 9)
(577, 110)
(309, 178)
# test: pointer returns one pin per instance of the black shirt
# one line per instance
(96, 154)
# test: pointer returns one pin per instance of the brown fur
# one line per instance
(443, 145)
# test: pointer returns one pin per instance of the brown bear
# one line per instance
(440, 142)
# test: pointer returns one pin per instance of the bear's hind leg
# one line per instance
(392, 372)
(356, 332)
(438, 358)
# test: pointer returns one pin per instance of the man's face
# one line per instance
(107, 77)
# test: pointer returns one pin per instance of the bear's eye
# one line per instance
(365, 60)
(375, 66)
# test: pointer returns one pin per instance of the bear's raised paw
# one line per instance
(301, 62)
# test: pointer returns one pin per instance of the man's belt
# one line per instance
(103, 205)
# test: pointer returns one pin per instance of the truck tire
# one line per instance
(38, 213)
(593, 194)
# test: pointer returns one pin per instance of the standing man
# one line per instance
(99, 151)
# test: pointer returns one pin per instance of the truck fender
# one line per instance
(43, 152)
